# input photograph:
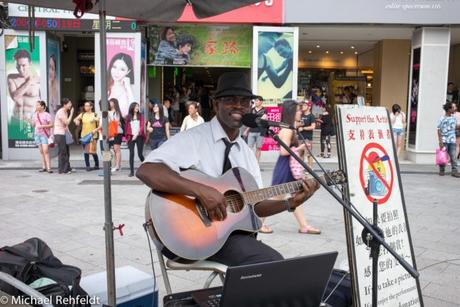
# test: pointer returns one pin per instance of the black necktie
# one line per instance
(227, 163)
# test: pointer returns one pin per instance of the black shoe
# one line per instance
(456, 174)
(88, 169)
(131, 174)
(96, 167)
(442, 173)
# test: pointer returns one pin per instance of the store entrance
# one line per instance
(77, 73)
(183, 84)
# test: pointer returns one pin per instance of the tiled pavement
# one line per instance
(69, 216)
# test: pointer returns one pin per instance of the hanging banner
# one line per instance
(143, 96)
(123, 69)
(414, 97)
(54, 75)
(22, 67)
(368, 156)
(275, 58)
(268, 12)
(196, 45)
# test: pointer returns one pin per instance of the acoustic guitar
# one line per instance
(181, 227)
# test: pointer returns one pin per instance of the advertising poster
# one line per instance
(143, 96)
(275, 50)
(22, 67)
(369, 159)
(273, 114)
(54, 76)
(121, 71)
(414, 96)
(198, 45)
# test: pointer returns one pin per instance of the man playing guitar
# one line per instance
(213, 148)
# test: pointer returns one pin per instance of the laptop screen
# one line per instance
(293, 282)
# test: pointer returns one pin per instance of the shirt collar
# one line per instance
(218, 133)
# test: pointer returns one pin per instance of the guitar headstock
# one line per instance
(335, 177)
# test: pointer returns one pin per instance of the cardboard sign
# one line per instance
(367, 155)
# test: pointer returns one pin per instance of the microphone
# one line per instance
(253, 121)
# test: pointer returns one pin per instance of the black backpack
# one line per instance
(32, 260)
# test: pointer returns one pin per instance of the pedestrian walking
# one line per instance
(327, 131)
(42, 122)
(447, 125)
(135, 134)
(398, 123)
(254, 136)
(193, 118)
(282, 171)
(88, 120)
(62, 135)
(307, 125)
(116, 131)
(158, 127)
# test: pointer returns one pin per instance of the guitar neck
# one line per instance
(254, 197)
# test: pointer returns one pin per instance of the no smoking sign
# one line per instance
(376, 173)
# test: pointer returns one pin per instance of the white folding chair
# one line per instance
(216, 269)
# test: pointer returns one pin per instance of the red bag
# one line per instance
(297, 170)
(113, 128)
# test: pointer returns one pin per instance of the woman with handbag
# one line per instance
(88, 121)
(282, 172)
(447, 125)
(42, 122)
(62, 135)
(135, 134)
(116, 131)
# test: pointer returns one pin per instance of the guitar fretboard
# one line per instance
(254, 197)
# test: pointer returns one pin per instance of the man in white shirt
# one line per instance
(203, 148)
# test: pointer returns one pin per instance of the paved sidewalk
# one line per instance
(67, 211)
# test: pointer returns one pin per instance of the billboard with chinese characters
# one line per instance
(123, 69)
(367, 155)
(198, 45)
(275, 58)
(273, 114)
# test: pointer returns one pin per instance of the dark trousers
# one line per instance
(243, 248)
(63, 153)
(139, 142)
(95, 157)
(325, 142)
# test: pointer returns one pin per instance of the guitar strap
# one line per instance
(237, 174)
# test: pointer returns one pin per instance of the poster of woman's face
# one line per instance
(120, 71)
(54, 93)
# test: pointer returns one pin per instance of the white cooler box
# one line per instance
(134, 287)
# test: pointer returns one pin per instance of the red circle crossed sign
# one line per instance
(378, 186)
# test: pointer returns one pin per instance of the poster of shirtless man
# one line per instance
(23, 78)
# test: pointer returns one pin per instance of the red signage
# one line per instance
(268, 12)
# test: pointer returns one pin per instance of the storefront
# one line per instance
(61, 61)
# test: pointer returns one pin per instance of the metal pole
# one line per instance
(375, 250)
(107, 160)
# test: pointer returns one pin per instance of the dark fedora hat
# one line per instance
(233, 84)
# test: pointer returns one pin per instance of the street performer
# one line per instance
(213, 148)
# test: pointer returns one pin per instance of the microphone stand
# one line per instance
(372, 234)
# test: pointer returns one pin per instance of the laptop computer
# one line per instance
(292, 282)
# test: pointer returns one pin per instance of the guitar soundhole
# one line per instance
(234, 201)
